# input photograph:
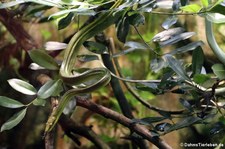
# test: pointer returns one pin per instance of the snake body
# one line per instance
(213, 43)
(101, 75)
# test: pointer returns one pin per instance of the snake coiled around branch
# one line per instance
(101, 75)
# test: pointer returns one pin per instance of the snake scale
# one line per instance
(101, 75)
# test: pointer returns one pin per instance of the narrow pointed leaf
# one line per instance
(218, 7)
(186, 48)
(136, 45)
(43, 59)
(176, 66)
(148, 120)
(184, 123)
(10, 103)
(87, 58)
(167, 4)
(157, 64)
(22, 86)
(136, 19)
(167, 34)
(124, 52)
(197, 60)
(50, 88)
(201, 78)
(186, 104)
(11, 4)
(169, 22)
(95, 47)
(53, 45)
(17, 2)
(219, 70)
(64, 22)
(205, 3)
(123, 27)
(192, 8)
(177, 38)
(176, 5)
(215, 17)
(14, 120)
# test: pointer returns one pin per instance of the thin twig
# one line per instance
(110, 114)
(69, 126)
(134, 93)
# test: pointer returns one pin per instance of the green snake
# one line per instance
(213, 43)
(101, 75)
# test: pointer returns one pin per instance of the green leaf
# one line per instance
(184, 123)
(76, 11)
(148, 120)
(96, 47)
(10, 4)
(218, 9)
(174, 39)
(67, 1)
(189, 47)
(186, 104)
(197, 60)
(184, 2)
(10, 103)
(123, 27)
(176, 66)
(150, 87)
(64, 22)
(219, 70)
(205, 3)
(43, 59)
(136, 45)
(167, 34)
(87, 58)
(165, 114)
(215, 17)
(157, 64)
(22, 86)
(39, 102)
(136, 19)
(193, 8)
(169, 22)
(17, 2)
(14, 120)
(51, 88)
(201, 78)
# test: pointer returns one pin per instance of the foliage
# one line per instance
(200, 102)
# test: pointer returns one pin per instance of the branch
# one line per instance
(110, 114)
(117, 89)
(15, 27)
(134, 93)
(69, 126)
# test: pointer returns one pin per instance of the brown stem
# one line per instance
(70, 127)
(110, 114)
(15, 27)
